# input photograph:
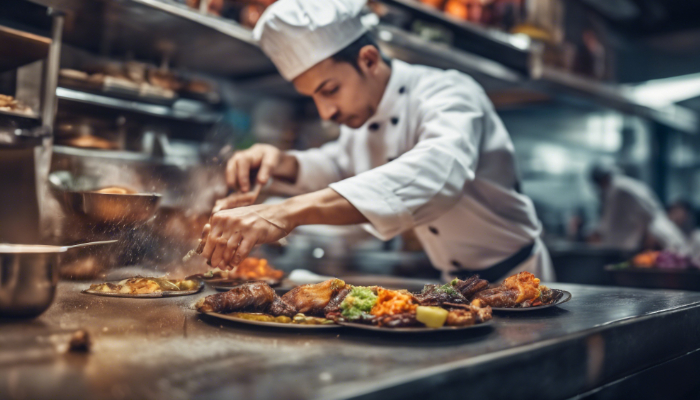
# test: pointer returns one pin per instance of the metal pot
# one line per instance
(28, 278)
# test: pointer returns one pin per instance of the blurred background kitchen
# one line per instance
(153, 96)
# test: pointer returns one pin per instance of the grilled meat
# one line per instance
(456, 291)
(312, 299)
(280, 307)
(516, 291)
(250, 297)
(333, 306)
(467, 314)
(260, 297)
(470, 286)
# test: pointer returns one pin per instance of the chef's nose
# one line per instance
(326, 110)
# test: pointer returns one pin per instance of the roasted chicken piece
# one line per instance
(260, 297)
(513, 292)
(250, 297)
(312, 299)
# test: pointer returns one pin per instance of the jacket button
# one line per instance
(402, 89)
(433, 230)
(456, 264)
(374, 126)
(394, 120)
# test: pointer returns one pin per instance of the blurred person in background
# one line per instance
(682, 213)
(632, 217)
(420, 148)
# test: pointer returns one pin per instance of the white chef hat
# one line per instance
(298, 34)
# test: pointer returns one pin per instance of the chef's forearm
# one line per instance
(322, 207)
(287, 169)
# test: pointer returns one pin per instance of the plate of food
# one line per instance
(364, 307)
(249, 270)
(521, 292)
(146, 287)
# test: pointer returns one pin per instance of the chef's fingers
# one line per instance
(203, 239)
(269, 161)
(231, 247)
(217, 255)
(212, 240)
(243, 171)
(231, 172)
(243, 250)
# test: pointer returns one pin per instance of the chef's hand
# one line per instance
(267, 159)
(260, 156)
(235, 200)
(235, 232)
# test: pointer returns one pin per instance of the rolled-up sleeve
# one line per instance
(428, 180)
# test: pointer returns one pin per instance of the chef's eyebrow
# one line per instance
(321, 85)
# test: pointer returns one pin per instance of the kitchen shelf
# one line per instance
(502, 56)
(512, 51)
(182, 109)
(20, 48)
(157, 30)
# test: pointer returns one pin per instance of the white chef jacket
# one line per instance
(630, 210)
(435, 157)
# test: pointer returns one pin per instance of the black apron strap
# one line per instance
(500, 269)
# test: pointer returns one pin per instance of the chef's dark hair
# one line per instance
(352, 51)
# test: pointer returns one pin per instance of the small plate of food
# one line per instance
(522, 292)
(256, 303)
(249, 270)
(146, 287)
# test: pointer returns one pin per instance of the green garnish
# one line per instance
(358, 303)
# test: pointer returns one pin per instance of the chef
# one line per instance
(632, 214)
(420, 148)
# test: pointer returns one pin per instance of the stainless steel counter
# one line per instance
(160, 348)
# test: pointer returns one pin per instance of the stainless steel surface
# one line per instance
(20, 48)
(53, 61)
(77, 246)
(164, 349)
(566, 296)
(28, 278)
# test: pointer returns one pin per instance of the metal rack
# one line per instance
(21, 47)
(161, 30)
(183, 109)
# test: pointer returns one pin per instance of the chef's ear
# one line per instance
(368, 59)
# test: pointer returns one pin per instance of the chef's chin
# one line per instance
(354, 122)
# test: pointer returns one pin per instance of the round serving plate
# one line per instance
(270, 324)
(564, 298)
(415, 329)
(165, 293)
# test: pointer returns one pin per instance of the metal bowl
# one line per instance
(113, 208)
(108, 205)
(28, 278)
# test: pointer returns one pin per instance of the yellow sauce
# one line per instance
(299, 319)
